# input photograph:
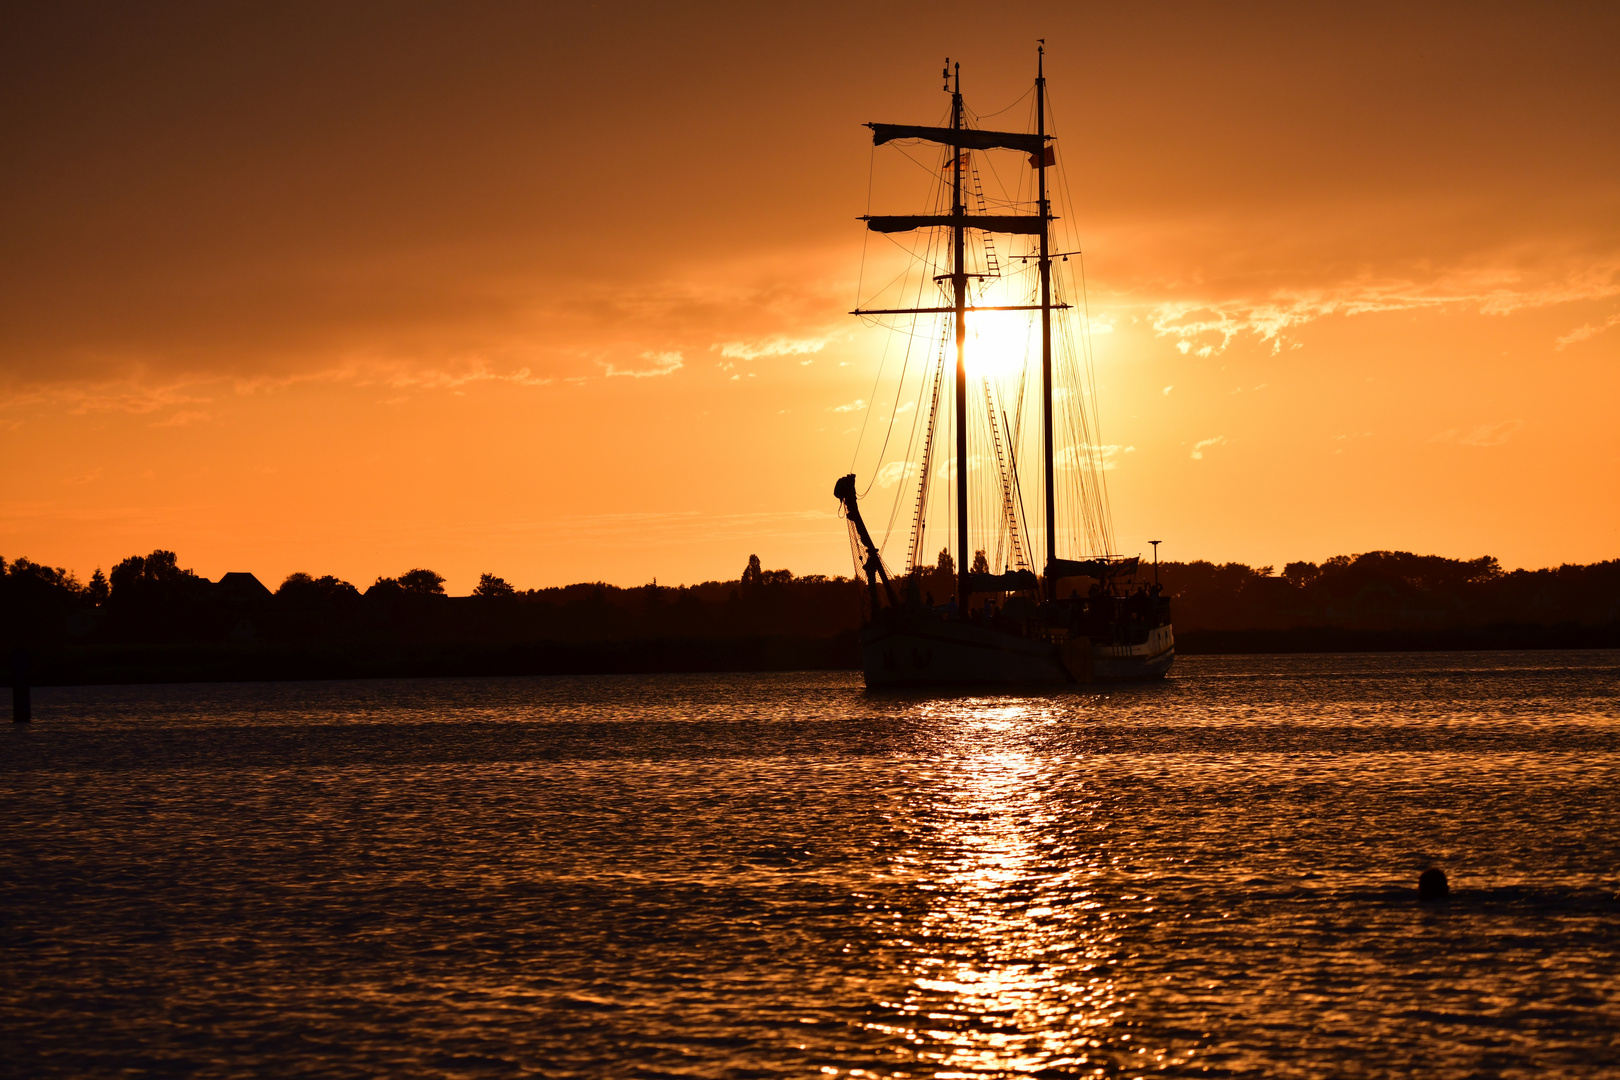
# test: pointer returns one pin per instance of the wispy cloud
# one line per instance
(519, 325)
(111, 396)
(855, 406)
(1346, 439)
(1095, 456)
(657, 363)
(183, 418)
(773, 346)
(1198, 447)
(139, 394)
(894, 472)
(1581, 333)
(1206, 327)
(1483, 435)
(449, 378)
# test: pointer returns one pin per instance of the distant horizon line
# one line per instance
(1260, 570)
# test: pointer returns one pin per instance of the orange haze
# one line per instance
(558, 291)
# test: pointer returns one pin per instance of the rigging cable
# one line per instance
(878, 379)
(866, 234)
(1101, 478)
(899, 387)
(985, 116)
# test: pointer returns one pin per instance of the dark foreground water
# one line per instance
(783, 876)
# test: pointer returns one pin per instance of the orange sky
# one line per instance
(559, 292)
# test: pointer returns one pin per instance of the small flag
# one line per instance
(1049, 153)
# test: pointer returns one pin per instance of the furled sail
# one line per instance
(1092, 568)
(965, 138)
(1011, 581)
(1029, 225)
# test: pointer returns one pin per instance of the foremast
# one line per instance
(1048, 455)
(959, 290)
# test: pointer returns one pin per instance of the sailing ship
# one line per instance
(1083, 618)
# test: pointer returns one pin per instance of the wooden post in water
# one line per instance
(21, 703)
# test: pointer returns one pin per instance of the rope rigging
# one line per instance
(999, 359)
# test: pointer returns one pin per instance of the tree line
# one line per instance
(148, 599)
(151, 598)
(1390, 590)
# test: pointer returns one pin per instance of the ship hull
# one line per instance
(930, 651)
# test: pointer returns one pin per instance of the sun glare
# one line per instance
(999, 342)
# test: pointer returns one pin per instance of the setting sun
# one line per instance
(1002, 343)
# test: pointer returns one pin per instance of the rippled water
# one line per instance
(783, 875)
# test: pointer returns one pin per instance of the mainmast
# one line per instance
(1049, 485)
(961, 139)
(959, 288)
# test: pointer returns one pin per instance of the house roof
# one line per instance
(241, 585)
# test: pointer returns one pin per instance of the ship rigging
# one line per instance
(1021, 629)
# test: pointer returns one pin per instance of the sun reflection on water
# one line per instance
(1013, 962)
(740, 876)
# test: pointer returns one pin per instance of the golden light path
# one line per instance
(1013, 964)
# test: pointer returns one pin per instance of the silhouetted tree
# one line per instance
(421, 582)
(384, 586)
(161, 569)
(295, 582)
(752, 573)
(947, 565)
(1300, 574)
(50, 577)
(981, 565)
(490, 585)
(314, 608)
(153, 598)
(303, 588)
(35, 602)
(97, 590)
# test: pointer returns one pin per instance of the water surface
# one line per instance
(729, 876)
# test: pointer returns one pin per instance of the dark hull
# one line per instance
(923, 649)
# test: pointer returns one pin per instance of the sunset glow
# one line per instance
(563, 293)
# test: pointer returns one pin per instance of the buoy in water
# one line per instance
(1432, 885)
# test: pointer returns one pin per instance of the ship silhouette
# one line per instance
(1078, 619)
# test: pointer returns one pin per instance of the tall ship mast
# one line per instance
(1080, 619)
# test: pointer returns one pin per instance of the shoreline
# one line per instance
(91, 665)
